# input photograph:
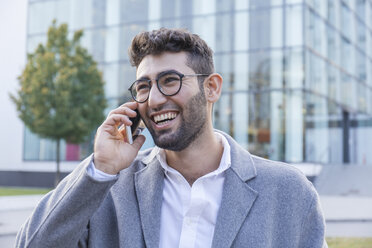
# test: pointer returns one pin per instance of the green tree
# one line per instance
(61, 95)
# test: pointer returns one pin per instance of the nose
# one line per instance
(156, 98)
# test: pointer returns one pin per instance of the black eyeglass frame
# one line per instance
(157, 83)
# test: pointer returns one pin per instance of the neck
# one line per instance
(199, 158)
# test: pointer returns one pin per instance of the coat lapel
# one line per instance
(149, 190)
(237, 200)
(237, 197)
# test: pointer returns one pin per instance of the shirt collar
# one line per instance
(225, 162)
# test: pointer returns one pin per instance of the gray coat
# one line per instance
(264, 204)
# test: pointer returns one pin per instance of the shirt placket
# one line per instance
(192, 215)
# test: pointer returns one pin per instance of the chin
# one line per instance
(169, 143)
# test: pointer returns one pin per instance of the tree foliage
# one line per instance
(62, 91)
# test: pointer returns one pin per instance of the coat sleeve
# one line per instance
(62, 217)
(313, 226)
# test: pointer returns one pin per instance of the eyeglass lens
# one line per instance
(168, 84)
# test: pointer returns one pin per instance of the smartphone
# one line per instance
(133, 131)
(136, 121)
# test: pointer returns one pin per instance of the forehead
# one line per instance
(152, 65)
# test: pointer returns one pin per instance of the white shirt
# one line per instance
(189, 213)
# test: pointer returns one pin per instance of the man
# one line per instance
(196, 188)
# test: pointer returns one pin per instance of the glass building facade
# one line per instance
(297, 73)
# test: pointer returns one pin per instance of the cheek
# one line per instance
(188, 90)
(183, 98)
(142, 110)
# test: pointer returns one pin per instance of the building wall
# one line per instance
(291, 69)
(338, 79)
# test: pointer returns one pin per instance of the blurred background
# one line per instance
(297, 83)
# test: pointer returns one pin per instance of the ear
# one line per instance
(213, 87)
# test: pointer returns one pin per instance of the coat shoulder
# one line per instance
(277, 169)
(280, 175)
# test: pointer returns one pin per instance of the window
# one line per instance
(131, 11)
(333, 76)
(361, 8)
(240, 118)
(332, 45)
(241, 74)
(45, 149)
(266, 28)
(316, 33)
(361, 35)
(41, 15)
(259, 70)
(316, 74)
(361, 97)
(360, 66)
(348, 91)
(347, 56)
(112, 12)
(241, 40)
(346, 22)
(294, 69)
(332, 12)
(112, 46)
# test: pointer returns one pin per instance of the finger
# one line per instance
(123, 111)
(131, 105)
(118, 119)
(123, 133)
(138, 142)
(111, 124)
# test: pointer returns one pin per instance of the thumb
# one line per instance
(138, 142)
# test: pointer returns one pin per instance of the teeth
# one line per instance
(166, 116)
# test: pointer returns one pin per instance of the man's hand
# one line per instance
(112, 152)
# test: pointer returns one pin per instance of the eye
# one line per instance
(169, 79)
(142, 86)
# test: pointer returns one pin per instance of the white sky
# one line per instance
(13, 16)
(13, 19)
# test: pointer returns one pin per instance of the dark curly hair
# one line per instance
(200, 56)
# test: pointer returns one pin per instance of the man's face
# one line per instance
(173, 121)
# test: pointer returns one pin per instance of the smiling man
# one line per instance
(196, 188)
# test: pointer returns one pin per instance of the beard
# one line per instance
(193, 121)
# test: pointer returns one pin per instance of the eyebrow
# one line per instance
(160, 74)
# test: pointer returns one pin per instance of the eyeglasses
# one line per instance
(169, 83)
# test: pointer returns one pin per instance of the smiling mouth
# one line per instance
(163, 119)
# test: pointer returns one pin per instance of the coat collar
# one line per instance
(241, 160)
(237, 197)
